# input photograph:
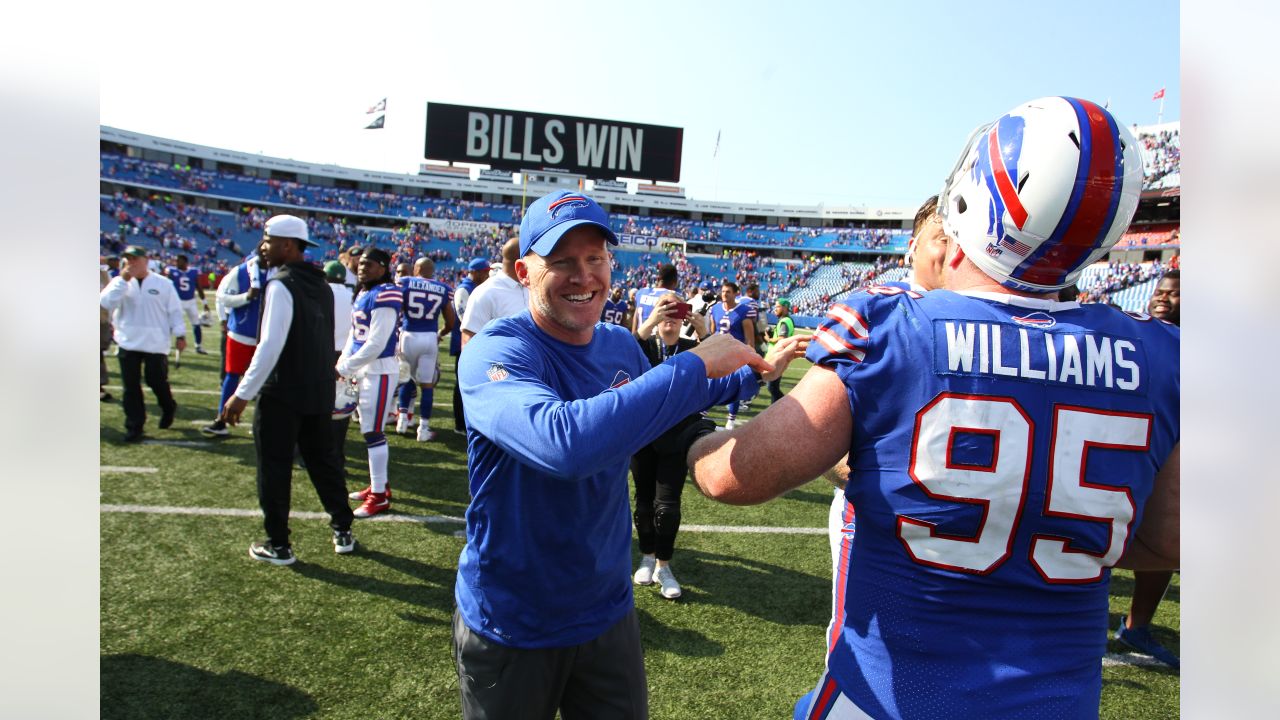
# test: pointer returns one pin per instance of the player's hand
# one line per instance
(233, 409)
(253, 294)
(786, 350)
(181, 344)
(723, 355)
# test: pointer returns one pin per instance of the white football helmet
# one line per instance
(1042, 192)
(346, 395)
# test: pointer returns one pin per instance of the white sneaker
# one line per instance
(644, 575)
(402, 424)
(425, 434)
(730, 424)
(664, 577)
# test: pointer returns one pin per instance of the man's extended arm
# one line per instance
(1156, 544)
(792, 442)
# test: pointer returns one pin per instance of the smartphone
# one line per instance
(681, 312)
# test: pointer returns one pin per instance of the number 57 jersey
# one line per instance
(1003, 449)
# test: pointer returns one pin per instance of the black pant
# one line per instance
(775, 390)
(659, 479)
(600, 678)
(277, 429)
(459, 422)
(134, 366)
(222, 354)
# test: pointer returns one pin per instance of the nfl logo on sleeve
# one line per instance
(497, 372)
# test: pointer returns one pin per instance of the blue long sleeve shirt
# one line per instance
(551, 428)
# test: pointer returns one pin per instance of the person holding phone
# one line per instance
(659, 469)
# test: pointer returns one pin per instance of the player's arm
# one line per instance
(792, 442)
(229, 291)
(450, 320)
(277, 317)
(177, 318)
(1155, 546)
(382, 322)
(474, 319)
(572, 439)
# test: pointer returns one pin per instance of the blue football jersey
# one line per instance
(645, 299)
(614, 312)
(184, 281)
(730, 321)
(424, 303)
(1002, 451)
(386, 295)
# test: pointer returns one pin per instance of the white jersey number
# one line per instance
(420, 304)
(1000, 488)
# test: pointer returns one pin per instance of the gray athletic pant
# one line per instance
(601, 678)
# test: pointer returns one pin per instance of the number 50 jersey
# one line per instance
(1003, 448)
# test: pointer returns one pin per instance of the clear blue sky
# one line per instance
(817, 102)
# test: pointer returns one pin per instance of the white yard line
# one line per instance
(430, 519)
(178, 443)
(187, 391)
(126, 469)
(1113, 659)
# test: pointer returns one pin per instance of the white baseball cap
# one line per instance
(290, 226)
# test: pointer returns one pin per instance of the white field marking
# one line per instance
(430, 519)
(188, 391)
(238, 512)
(126, 469)
(178, 443)
(1113, 659)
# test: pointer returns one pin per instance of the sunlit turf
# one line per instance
(193, 628)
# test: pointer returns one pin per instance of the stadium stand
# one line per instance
(216, 218)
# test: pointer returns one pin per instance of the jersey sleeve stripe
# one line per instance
(850, 319)
(838, 345)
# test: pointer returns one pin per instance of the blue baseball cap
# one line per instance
(478, 264)
(551, 216)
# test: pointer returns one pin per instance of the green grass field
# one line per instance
(191, 627)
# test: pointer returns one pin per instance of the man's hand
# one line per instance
(181, 344)
(124, 272)
(783, 353)
(253, 294)
(233, 409)
(723, 355)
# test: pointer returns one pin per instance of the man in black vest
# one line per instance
(293, 368)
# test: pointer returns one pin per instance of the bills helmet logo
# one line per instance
(997, 167)
(568, 201)
(622, 378)
(1041, 320)
(497, 372)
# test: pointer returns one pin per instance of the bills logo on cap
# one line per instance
(622, 378)
(567, 201)
(497, 372)
(1041, 320)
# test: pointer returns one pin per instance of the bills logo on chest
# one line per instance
(622, 378)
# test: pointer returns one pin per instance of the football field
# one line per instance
(191, 627)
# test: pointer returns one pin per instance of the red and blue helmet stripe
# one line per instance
(1092, 207)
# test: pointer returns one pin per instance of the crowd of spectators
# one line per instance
(1098, 287)
(1151, 236)
(1161, 158)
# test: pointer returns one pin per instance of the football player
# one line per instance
(738, 319)
(615, 308)
(370, 357)
(186, 282)
(1007, 449)
(1149, 587)
(426, 301)
(646, 298)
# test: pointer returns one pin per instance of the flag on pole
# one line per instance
(1159, 95)
(379, 106)
(716, 152)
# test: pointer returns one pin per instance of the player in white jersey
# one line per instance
(370, 357)
(186, 282)
(426, 301)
